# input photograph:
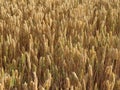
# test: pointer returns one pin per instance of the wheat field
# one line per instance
(59, 45)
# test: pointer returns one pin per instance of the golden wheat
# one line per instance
(59, 45)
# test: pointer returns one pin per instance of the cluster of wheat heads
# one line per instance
(59, 45)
